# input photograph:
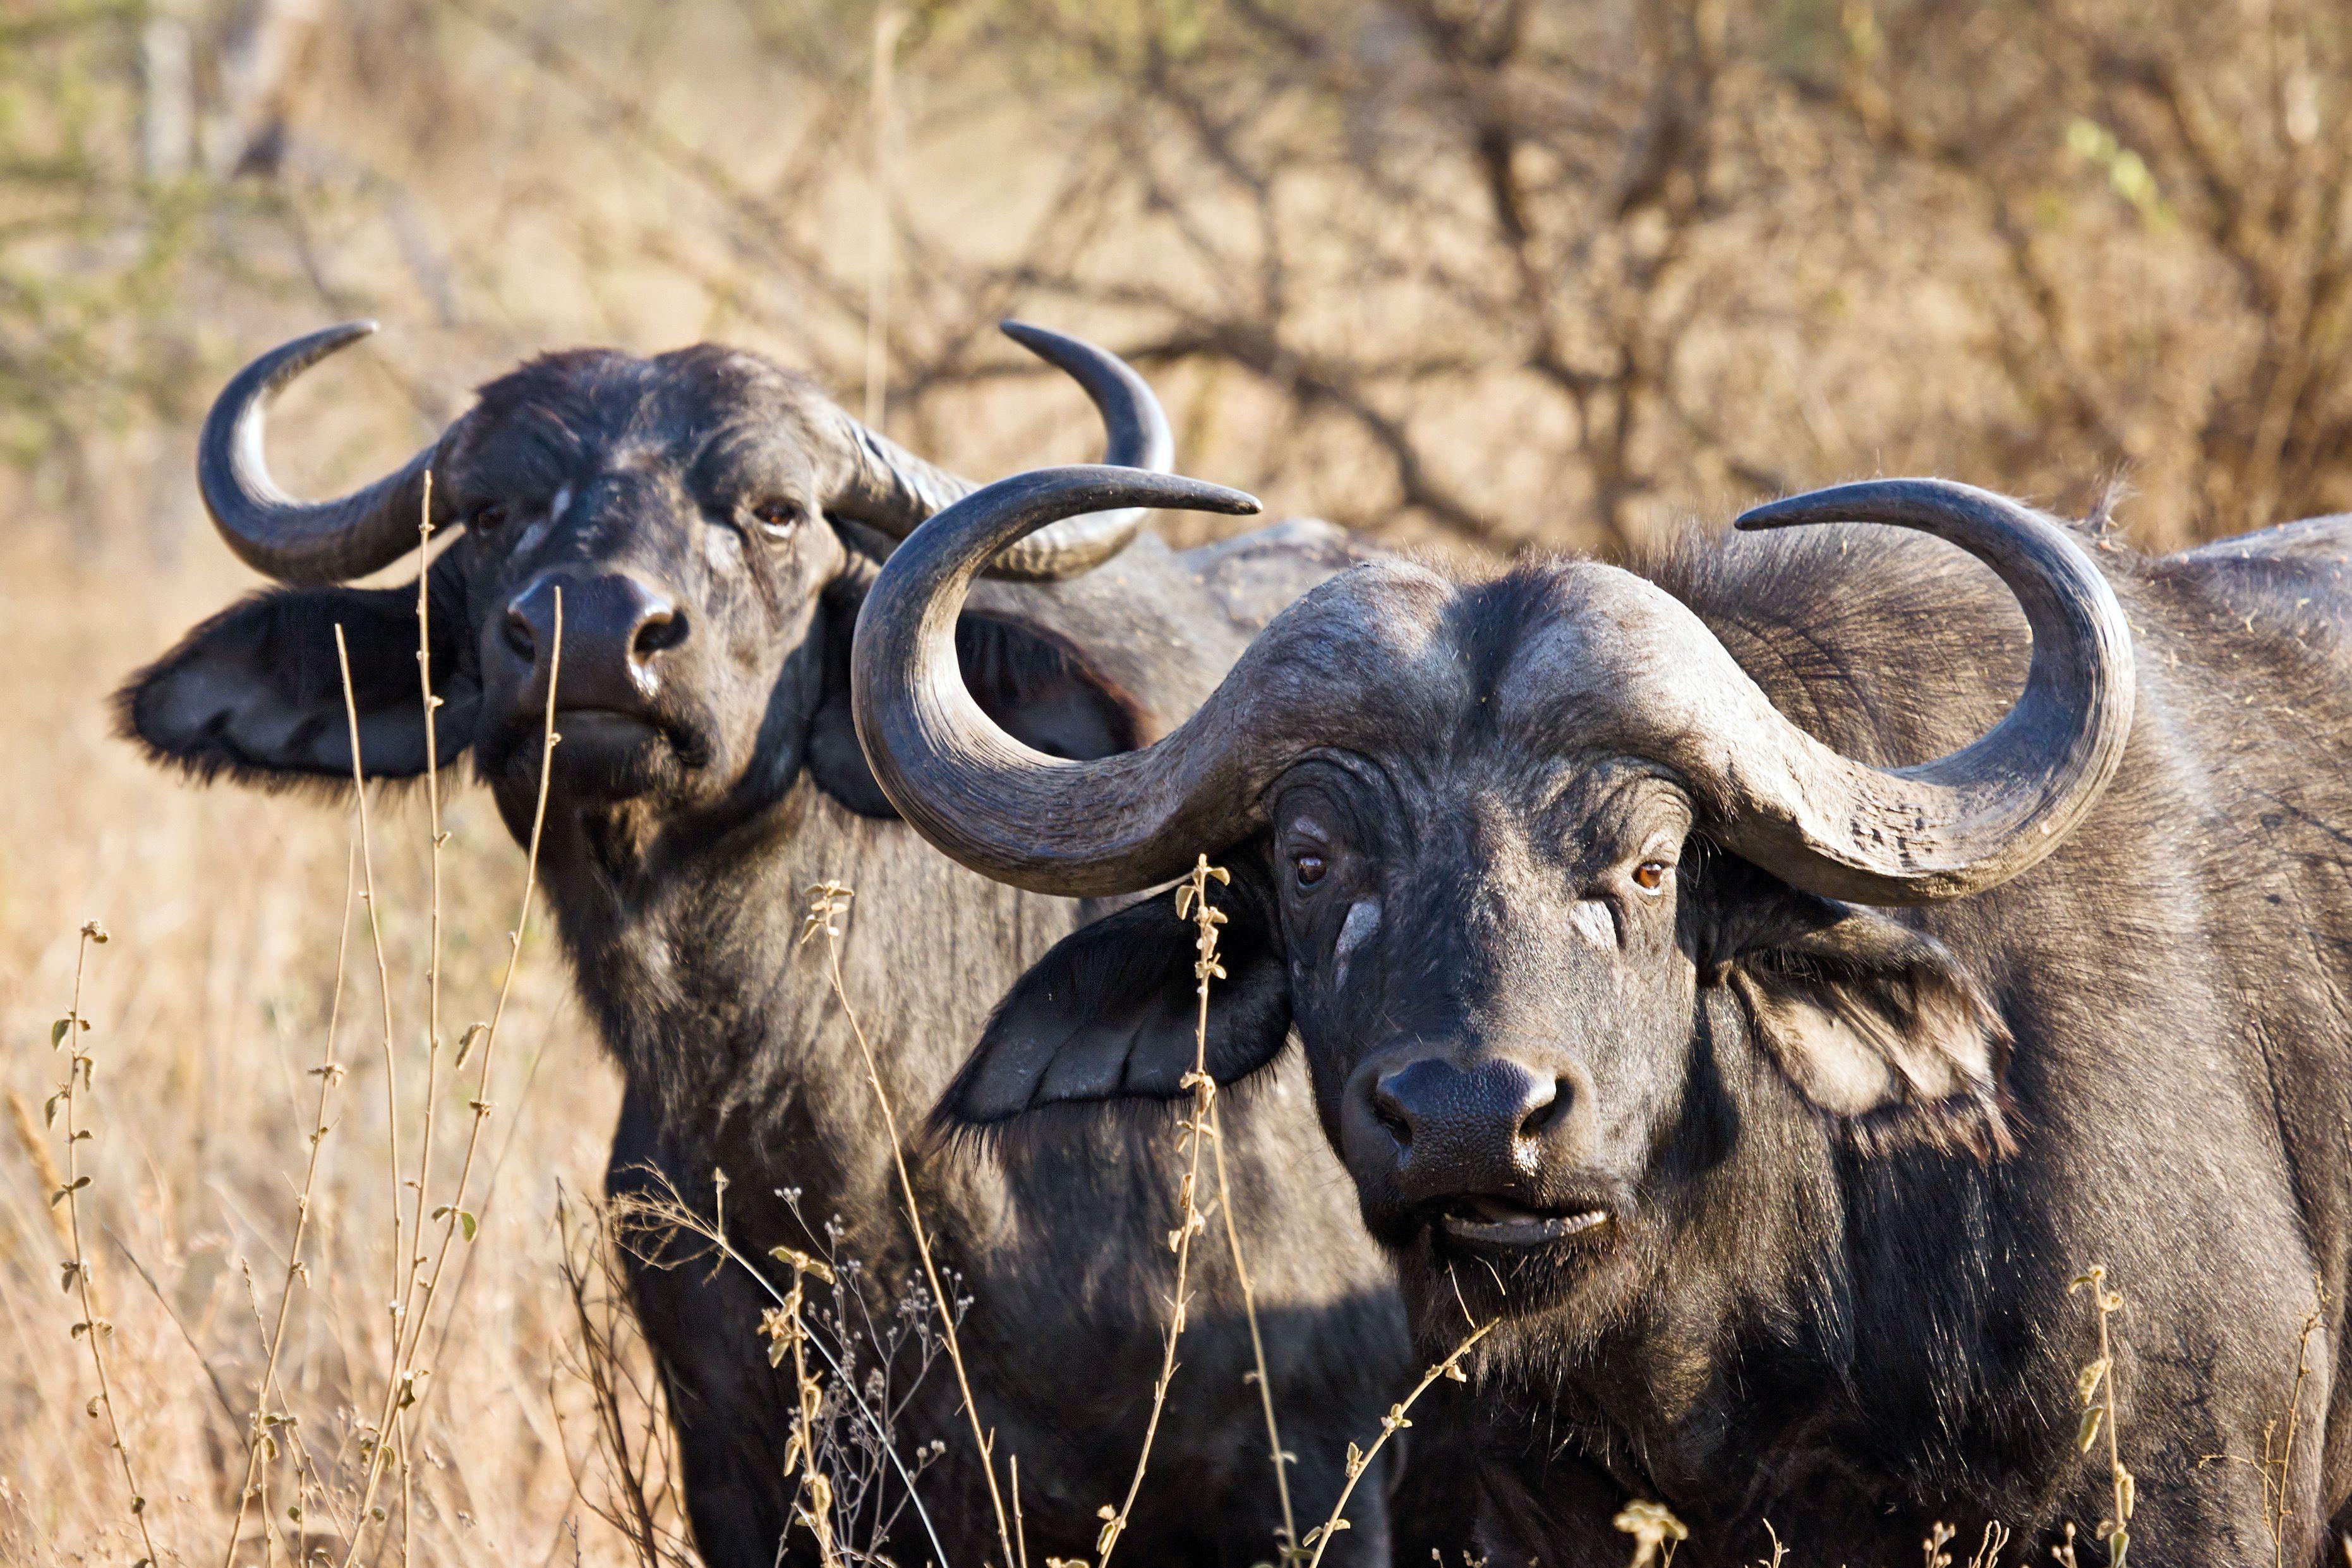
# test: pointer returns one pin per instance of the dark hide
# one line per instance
(680, 842)
(1849, 1161)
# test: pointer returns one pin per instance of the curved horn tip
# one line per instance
(288, 360)
(1107, 485)
(1059, 349)
(1176, 492)
(329, 339)
(1811, 506)
(1829, 503)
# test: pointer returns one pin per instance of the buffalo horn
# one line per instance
(297, 540)
(889, 489)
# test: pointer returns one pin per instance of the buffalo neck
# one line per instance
(697, 965)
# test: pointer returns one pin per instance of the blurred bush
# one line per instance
(1558, 271)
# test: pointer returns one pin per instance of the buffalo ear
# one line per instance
(1036, 691)
(1874, 1023)
(256, 692)
(1109, 1012)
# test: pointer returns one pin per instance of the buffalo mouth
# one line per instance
(602, 754)
(1497, 1222)
(605, 729)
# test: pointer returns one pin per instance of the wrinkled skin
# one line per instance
(706, 777)
(1775, 1200)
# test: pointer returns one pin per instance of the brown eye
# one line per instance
(776, 516)
(1310, 868)
(486, 518)
(1651, 875)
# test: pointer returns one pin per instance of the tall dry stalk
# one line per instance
(408, 1320)
(827, 899)
(787, 1333)
(1192, 904)
(2096, 1385)
(1290, 1547)
(373, 1445)
(1360, 1459)
(410, 1317)
(2280, 1493)
(2276, 1465)
(92, 1330)
(328, 1072)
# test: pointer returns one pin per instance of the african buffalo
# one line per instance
(711, 522)
(1764, 1080)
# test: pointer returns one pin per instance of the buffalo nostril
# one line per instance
(1390, 1113)
(520, 638)
(1545, 1104)
(661, 629)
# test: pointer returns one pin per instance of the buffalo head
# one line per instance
(1507, 855)
(704, 519)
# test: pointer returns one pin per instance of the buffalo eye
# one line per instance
(1309, 868)
(776, 517)
(486, 518)
(1649, 876)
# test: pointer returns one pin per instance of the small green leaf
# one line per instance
(57, 1032)
(2088, 1433)
(802, 1262)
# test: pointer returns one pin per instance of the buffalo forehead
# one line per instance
(1609, 660)
(1373, 640)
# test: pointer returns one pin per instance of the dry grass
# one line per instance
(209, 1011)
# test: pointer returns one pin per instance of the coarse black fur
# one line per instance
(1849, 1159)
(707, 777)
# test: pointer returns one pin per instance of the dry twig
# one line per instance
(92, 1330)
(827, 899)
(2095, 1385)
(408, 1326)
(1360, 1459)
(328, 1072)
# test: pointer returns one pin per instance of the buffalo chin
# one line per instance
(602, 755)
(1581, 1267)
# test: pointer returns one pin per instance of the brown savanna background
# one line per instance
(1485, 277)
